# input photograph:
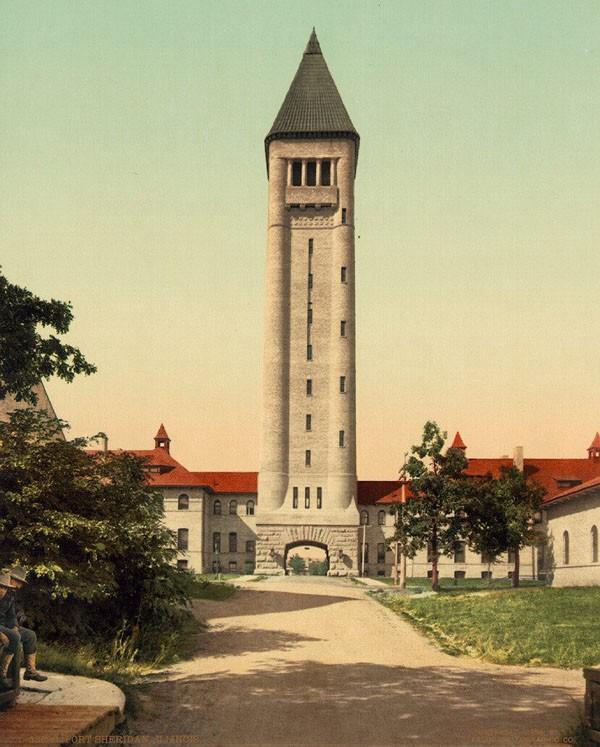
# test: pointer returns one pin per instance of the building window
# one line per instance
(310, 280)
(249, 508)
(429, 573)
(232, 542)
(248, 567)
(183, 564)
(215, 566)
(342, 384)
(217, 508)
(319, 497)
(459, 574)
(309, 315)
(365, 552)
(232, 566)
(306, 497)
(343, 328)
(460, 553)
(311, 173)
(310, 246)
(566, 548)
(250, 546)
(344, 275)
(183, 538)
(307, 458)
(232, 508)
(216, 541)
(343, 215)
(326, 173)
(308, 387)
(487, 558)
(381, 552)
(309, 352)
(183, 502)
(341, 439)
(295, 498)
(296, 173)
(309, 422)
(594, 534)
(364, 517)
(511, 556)
(381, 518)
(486, 574)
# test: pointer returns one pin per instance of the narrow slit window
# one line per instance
(319, 497)
(310, 246)
(309, 353)
(310, 280)
(307, 458)
(309, 422)
(344, 275)
(297, 173)
(342, 384)
(309, 315)
(311, 173)
(295, 498)
(306, 497)
(326, 173)
(341, 438)
(344, 215)
(343, 328)
(308, 387)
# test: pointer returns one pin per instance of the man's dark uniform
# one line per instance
(9, 626)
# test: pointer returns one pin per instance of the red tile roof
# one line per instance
(589, 484)
(162, 433)
(458, 443)
(596, 442)
(178, 477)
(369, 492)
(230, 482)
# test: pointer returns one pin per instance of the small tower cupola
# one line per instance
(458, 443)
(594, 448)
(162, 440)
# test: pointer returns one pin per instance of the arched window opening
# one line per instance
(566, 548)
(594, 544)
(381, 518)
(183, 502)
(217, 508)
(250, 508)
(364, 517)
(233, 507)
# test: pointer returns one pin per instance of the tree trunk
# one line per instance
(517, 570)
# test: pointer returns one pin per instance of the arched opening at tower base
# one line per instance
(306, 558)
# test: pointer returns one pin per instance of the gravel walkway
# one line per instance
(304, 661)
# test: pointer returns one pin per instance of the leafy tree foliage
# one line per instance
(297, 564)
(26, 356)
(90, 531)
(435, 515)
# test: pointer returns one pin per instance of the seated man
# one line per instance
(9, 639)
(28, 637)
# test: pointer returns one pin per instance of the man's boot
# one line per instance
(5, 682)
(31, 672)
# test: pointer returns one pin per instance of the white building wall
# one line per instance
(576, 516)
(191, 519)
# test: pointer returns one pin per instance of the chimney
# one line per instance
(104, 443)
(518, 458)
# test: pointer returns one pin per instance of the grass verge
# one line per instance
(535, 626)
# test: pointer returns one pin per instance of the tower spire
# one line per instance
(313, 46)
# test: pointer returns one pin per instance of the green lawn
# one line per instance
(460, 584)
(555, 627)
(202, 587)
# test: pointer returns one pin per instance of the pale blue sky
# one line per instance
(134, 183)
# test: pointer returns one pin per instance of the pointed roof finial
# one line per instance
(458, 443)
(596, 442)
(162, 440)
(313, 46)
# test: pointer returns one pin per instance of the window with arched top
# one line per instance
(233, 507)
(566, 547)
(183, 502)
(594, 534)
(364, 517)
(381, 518)
(217, 508)
(250, 508)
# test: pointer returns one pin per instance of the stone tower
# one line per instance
(307, 479)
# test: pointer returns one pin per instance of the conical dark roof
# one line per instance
(313, 107)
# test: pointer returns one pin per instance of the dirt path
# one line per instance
(315, 662)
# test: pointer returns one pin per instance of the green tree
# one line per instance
(297, 564)
(91, 533)
(26, 355)
(486, 529)
(317, 568)
(435, 516)
(519, 499)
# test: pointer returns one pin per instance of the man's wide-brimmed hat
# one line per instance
(19, 573)
(5, 580)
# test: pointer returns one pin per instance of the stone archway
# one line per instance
(288, 552)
